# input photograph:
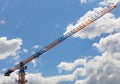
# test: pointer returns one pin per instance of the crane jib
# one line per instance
(62, 38)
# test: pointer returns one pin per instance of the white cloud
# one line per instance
(106, 24)
(110, 44)
(79, 72)
(107, 2)
(71, 66)
(37, 78)
(102, 69)
(9, 47)
(25, 50)
(36, 46)
(7, 80)
(49, 80)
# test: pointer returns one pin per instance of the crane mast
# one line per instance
(22, 64)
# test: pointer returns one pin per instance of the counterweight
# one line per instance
(62, 38)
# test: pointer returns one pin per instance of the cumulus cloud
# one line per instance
(37, 78)
(71, 66)
(106, 24)
(49, 80)
(103, 69)
(8, 80)
(107, 2)
(9, 47)
(110, 44)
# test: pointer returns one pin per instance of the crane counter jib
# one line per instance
(62, 38)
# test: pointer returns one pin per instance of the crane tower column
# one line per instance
(21, 75)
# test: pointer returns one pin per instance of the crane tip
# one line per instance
(8, 72)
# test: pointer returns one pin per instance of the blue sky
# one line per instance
(26, 26)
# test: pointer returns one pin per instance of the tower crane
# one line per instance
(21, 66)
